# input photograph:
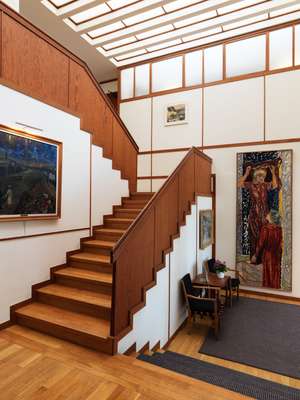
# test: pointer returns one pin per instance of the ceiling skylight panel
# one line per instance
(176, 5)
(106, 29)
(239, 5)
(59, 3)
(155, 12)
(196, 18)
(247, 21)
(285, 10)
(118, 43)
(129, 55)
(90, 13)
(202, 34)
(154, 32)
(61, 7)
(115, 4)
(164, 45)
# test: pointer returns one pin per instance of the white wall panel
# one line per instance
(142, 79)
(127, 83)
(193, 68)
(15, 4)
(213, 64)
(163, 164)
(137, 117)
(65, 128)
(281, 48)
(225, 169)
(144, 165)
(184, 135)
(246, 56)
(157, 184)
(183, 260)
(282, 105)
(167, 74)
(107, 186)
(234, 112)
(297, 45)
(144, 185)
(25, 262)
(150, 324)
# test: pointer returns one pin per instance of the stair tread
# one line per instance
(96, 276)
(68, 319)
(110, 230)
(117, 219)
(126, 210)
(100, 243)
(91, 257)
(85, 296)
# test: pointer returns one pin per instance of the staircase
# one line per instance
(76, 303)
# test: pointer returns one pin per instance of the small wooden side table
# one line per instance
(212, 280)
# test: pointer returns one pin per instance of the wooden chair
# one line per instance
(202, 301)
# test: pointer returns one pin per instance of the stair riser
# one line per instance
(83, 284)
(91, 266)
(117, 224)
(96, 250)
(134, 204)
(126, 214)
(75, 306)
(140, 196)
(99, 344)
(107, 236)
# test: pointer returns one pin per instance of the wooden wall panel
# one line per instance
(166, 220)
(203, 176)
(186, 187)
(135, 270)
(32, 65)
(107, 130)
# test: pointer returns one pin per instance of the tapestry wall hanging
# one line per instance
(264, 219)
(30, 176)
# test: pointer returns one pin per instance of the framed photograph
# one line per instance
(176, 114)
(30, 176)
(206, 228)
(264, 219)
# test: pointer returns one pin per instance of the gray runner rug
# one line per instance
(261, 334)
(260, 389)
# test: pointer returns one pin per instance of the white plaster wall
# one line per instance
(157, 184)
(150, 324)
(107, 186)
(224, 166)
(234, 112)
(65, 128)
(185, 135)
(137, 117)
(15, 4)
(144, 185)
(165, 163)
(144, 165)
(24, 262)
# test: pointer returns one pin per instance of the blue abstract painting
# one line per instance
(29, 181)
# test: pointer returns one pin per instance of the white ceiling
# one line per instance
(128, 31)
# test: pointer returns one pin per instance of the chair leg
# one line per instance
(216, 326)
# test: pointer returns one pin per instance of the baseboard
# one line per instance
(175, 334)
(272, 295)
(5, 325)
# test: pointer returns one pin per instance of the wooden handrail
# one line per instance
(139, 254)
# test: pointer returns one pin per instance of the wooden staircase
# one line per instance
(76, 303)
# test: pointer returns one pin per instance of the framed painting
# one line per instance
(206, 228)
(176, 114)
(30, 176)
(264, 219)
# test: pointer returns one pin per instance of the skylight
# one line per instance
(129, 31)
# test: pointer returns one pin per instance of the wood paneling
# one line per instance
(139, 254)
(32, 65)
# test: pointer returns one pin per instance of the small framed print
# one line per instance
(176, 114)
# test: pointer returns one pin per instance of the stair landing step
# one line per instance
(90, 257)
(100, 243)
(85, 296)
(66, 319)
(77, 273)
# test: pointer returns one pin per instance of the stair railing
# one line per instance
(140, 253)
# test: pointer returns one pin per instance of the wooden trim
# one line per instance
(175, 334)
(44, 234)
(131, 349)
(294, 46)
(214, 208)
(271, 295)
(225, 145)
(5, 325)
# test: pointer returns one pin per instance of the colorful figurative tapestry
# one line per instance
(29, 176)
(264, 219)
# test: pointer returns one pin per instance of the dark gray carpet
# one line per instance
(247, 385)
(259, 333)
